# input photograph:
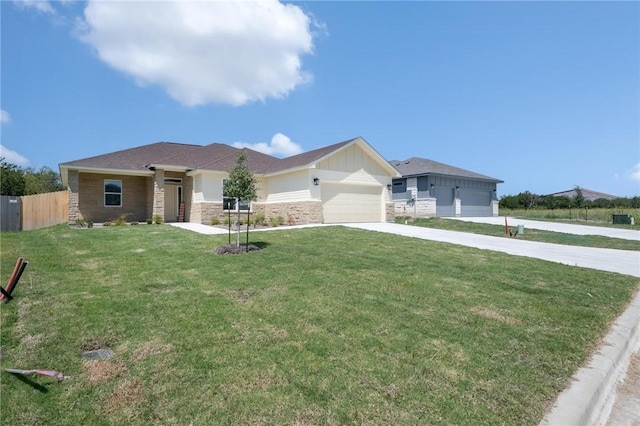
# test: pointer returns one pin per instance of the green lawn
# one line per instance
(529, 234)
(323, 326)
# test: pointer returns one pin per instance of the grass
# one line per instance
(597, 216)
(323, 326)
(530, 234)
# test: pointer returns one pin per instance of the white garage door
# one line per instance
(475, 203)
(351, 203)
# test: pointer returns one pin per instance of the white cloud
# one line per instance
(230, 52)
(43, 6)
(5, 118)
(634, 174)
(280, 146)
(13, 157)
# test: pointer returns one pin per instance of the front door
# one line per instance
(172, 198)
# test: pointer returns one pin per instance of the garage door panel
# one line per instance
(475, 203)
(351, 203)
(444, 201)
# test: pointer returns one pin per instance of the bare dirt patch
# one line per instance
(101, 370)
(233, 249)
(488, 313)
(241, 295)
(148, 349)
(127, 396)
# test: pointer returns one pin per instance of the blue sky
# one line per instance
(543, 95)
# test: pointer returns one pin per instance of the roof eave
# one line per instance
(486, 179)
(64, 171)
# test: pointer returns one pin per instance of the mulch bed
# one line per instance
(232, 249)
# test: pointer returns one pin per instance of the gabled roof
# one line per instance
(586, 193)
(310, 157)
(415, 166)
(213, 157)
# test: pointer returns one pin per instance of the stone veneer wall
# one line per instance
(424, 207)
(204, 212)
(73, 188)
(301, 212)
(158, 194)
(390, 212)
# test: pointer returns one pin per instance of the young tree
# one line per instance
(240, 185)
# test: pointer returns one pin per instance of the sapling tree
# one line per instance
(240, 185)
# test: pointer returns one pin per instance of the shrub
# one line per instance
(149, 221)
(122, 219)
(280, 220)
(259, 219)
(291, 220)
(157, 219)
(273, 221)
(80, 222)
(215, 221)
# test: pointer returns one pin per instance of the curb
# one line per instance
(588, 401)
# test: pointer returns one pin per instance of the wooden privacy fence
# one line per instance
(35, 211)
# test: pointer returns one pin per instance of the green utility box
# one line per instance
(623, 219)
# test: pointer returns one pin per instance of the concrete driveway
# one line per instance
(621, 261)
(567, 228)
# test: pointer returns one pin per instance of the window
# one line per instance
(113, 193)
(229, 203)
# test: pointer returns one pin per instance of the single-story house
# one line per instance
(344, 182)
(588, 194)
(428, 188)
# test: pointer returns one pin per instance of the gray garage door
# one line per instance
(475, 202)
(444, 201)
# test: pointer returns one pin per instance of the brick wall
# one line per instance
(90, 197)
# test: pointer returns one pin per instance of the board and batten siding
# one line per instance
(352, 159)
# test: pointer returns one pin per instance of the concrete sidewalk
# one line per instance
(566, 228)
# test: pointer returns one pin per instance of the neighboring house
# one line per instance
(428, 188)
(588, 194)
(345, 182)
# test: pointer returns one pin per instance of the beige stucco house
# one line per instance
(344, 182)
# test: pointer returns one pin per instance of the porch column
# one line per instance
(158, 194)
(73, 211)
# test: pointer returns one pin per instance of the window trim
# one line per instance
(105, 193)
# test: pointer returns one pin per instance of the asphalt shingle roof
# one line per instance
(216, 156)
(415, 166)
(135, 158)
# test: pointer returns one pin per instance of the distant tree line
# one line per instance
(528, 200)
(16, 181)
